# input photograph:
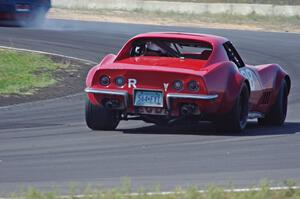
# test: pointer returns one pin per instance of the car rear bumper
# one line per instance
(14, 16)
(13, 12)
(122, 94)
(171, 96)
(22, 9)
(206, 103)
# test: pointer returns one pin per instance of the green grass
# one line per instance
(212, 192)
(23, 73)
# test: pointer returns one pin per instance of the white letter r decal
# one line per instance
(132, 83)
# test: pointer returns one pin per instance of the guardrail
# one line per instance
(182, 7)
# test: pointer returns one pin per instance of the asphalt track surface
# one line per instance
(47, 144)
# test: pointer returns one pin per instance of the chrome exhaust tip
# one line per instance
(187, 109)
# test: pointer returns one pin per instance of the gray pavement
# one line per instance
(47, 144)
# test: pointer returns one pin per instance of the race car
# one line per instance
(23, 12)
(167, 77)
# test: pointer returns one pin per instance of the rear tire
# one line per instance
(100, 118)
(236, 120)
(277, 115)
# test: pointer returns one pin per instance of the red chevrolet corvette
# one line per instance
(166, 77)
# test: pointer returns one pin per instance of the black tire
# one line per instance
(100, 118)
(236, 120)
(277, 115)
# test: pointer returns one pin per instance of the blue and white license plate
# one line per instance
(148, 98)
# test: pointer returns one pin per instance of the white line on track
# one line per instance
(45, 53)
(199, 191)
(202, 191)
(225, 190)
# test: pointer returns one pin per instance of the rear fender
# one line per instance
(225, 80)
(271, 76)
(106, 60)
(91, 75)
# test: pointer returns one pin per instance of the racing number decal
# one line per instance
(250, 75)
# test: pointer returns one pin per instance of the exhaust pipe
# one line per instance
(187, 109)
(108, 105)
(112, 104)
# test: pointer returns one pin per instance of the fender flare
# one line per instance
(229, 84)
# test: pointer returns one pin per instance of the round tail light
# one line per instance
(178, 85)
(120, 81)
(104, 80)
(193, 86)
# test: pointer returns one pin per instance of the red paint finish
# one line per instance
(173, 63)
(215, 76)
(9, 16)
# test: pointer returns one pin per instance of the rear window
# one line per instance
(171, 48)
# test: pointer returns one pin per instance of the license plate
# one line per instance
(148, 98)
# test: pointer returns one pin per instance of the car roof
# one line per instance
(213, 39)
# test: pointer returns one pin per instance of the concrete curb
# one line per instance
(182, 7)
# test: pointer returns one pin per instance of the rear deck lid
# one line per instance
(161, 62)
